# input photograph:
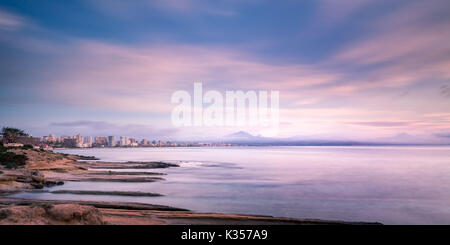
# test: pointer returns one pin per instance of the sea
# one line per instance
(387, 184)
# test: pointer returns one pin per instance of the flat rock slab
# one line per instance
(62, 214)
(115, 179)
(123, 173)
(109, 193)
(126, 165)
(97, 204)
(125, 213)
(149, 217)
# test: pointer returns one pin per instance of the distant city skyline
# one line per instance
(237, 138)
(345, 70)
(80, 141)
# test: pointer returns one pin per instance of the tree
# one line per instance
(10, 135)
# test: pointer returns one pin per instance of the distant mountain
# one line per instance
(243, 137)
(404, 138)
(240, 134)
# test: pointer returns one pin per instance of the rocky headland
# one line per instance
(30, 170)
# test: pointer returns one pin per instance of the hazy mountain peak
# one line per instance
(240, 134)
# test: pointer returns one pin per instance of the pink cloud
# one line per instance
(405, 47)
(332, 11)
(143, 78)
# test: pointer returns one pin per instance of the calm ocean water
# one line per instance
(392, 185)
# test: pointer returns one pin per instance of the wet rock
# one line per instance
(72, 213)
(97, 204)
(61, 214)
(124, 173)
(5, 178)
(4, 213)
(38, 179)
(50, 183)
(111, 193)
(37, 185)
(23, 179)
(80, 157)
(129, 165)
(111, 179)
(155, 164)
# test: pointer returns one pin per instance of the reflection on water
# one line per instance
(393, 185)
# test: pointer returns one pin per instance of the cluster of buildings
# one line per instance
(22, 140)
(78, 141)
(68, 141)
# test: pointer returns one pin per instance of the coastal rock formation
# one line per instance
(46, 168)
(61, 214)
(33, 175)
(33, 178)
(126, 213)
(127, 165)
(109, 193)
(46, 160)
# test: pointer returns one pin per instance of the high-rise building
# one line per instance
(111, 141)
(101, 141)
(79, 140)
(50, 139)
(133, 142)
(144, 142)
(124, 141)
(69, 142)
(87, 141)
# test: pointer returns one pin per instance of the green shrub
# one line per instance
(20, 159)
(9, 165)
(4, 213)
(27, 147)
(11, 157)
(1, 172)
(46, 206)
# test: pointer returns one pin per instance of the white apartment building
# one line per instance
(124, 141)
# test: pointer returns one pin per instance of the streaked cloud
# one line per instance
(383, 124)
(129, 9)
(220, 7)
(106, 128)
(443, 135)
(445, 90)
(123, 77)
(334, 12)
(9, 21)
(382, 66)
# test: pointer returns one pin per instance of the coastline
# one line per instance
(47, 168)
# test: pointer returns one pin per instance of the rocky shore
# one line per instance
(46, 169)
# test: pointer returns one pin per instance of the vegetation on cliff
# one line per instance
(10, 159)
(10, 135)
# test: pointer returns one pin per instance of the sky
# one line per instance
(348, 70)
